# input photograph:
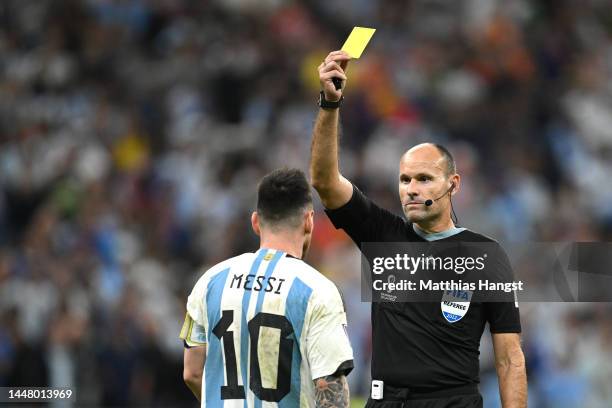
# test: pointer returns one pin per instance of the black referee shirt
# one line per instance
(412, 344)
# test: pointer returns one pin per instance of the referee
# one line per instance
(419, 359)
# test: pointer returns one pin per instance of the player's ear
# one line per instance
(255, 223)
(308, 221)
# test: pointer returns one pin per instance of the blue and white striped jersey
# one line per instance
(272, 324)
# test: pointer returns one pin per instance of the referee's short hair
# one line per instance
(282, 197)
(451, 167)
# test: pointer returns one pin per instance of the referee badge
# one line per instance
(455, 304)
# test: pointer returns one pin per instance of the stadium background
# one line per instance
(133, 133)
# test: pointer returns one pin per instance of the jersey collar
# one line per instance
(438, 235)
(272, 251)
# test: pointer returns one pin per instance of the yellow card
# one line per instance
(357, 41)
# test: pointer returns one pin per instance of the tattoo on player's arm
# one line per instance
(331, 392)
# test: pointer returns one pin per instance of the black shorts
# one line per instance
(461, 397)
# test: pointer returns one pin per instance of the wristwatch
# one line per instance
(329, 104)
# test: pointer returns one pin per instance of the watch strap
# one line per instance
(323, 103)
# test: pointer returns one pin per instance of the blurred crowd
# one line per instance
(133, 134)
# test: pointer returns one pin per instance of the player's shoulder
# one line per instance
(324, 290)
(310, 275)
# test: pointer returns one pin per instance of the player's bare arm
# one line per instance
(510, 366)
(193, 366)
(331, 392)
(333, 188)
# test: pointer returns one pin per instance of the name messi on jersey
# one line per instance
(257, 283)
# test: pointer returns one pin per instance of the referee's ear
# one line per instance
(455, 184)
(255, 223)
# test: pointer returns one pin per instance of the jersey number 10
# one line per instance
(283, 377)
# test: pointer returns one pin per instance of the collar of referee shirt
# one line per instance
(437, 235)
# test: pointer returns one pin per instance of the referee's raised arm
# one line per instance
(333, 188)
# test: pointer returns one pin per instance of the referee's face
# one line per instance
(422, 177)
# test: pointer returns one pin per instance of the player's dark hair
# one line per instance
(282, 196)
(451, 168)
